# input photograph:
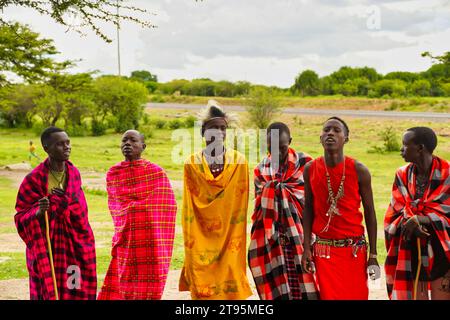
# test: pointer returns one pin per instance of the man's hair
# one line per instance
(140, 134)
(282, 127)
(425, 136)
(346, 129)
(47, 134)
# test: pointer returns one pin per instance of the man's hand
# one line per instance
(44, 204)
(307, 263)
(373, 269)
(412, 227)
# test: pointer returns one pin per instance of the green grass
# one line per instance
(414, 104)
(95, 155)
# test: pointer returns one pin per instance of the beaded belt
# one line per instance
(359, 241)
(322, 247)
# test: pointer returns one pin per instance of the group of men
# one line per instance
(307, 237)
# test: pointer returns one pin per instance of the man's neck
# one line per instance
(333, 158)
(424, 165)
(132, 159)
(56, 165)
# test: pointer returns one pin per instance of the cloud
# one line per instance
(260, 40)
(280, 29)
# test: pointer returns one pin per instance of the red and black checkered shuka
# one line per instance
(279, 204)
(434, 204)
(71, 235)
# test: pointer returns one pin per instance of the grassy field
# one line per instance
(94, 155)
(413, 104)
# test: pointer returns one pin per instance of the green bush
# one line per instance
(420, 87)
(446, 89)
(389, 88)
(37, 128)
(175, 124)
(157, 98)
(390, 142)
(147, 131)
(77, 130)
(98, 128)
(145, 118)
(262, 107)
(160, 123)
(189, 122)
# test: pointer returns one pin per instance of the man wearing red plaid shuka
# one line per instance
(143, 209)
(417, 222)
(276, 237)
(55, 186)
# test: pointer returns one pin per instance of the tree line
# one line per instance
(47, 93)
(347, 81)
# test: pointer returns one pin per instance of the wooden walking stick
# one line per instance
(419, 265)
(50, 254)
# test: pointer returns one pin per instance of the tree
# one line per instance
(444, 59)
(343, 74)
(392, 88)
(25, 54)
(326, 85)
(224, 89)
(67, 97)
(369, 73)
(90, 13)
(121, 98)
(406, 76)
(307, 83)
(262, 107)
(144, 76)
(17, 104)
(421, 88)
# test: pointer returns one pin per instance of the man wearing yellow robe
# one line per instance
(214, 221)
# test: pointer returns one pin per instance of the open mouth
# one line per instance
(330, 140)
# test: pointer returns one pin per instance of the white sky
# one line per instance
(261, 41)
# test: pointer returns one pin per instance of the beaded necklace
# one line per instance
(60, 180)
(333, 199)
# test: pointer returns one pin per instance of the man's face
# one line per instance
(132, 145)
(333, 135)
(410, 151)
(58, 147)
(284, 140)
(215, 131)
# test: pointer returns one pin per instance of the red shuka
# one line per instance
(71, 235)
(143, 209)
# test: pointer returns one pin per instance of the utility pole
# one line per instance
(118, 39)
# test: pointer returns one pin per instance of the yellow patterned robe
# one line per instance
(214, 228)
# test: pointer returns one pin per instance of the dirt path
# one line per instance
(17, 289)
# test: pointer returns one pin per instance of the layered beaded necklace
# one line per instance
(333, 199)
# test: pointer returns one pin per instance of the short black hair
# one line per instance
(282, 127)
(140, 134)
(346, 129)
(47, 133)
(425, 136)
